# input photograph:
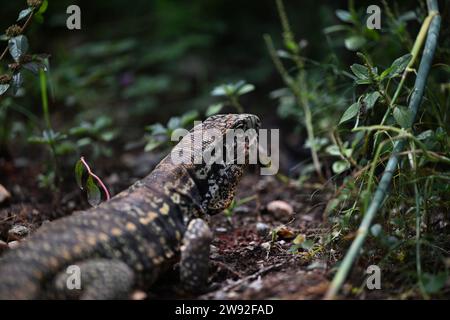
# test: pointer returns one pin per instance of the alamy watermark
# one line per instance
(373, 281)
(73, 21)
(73, 281)
(374, 19)
(236, 146)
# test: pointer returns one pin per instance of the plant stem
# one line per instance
(418, 221)
(382, 189)
(44, 98)
(236, 104)
(48, 124)
(100, 182)
(415, 53)
(5, 51)
(301, 99)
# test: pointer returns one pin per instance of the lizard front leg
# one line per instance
(194, 263)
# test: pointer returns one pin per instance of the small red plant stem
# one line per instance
(100, 182)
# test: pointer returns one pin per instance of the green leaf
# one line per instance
(16, 82)
(34, 67)
(307, 244)
(79, 169)
(425, 135)
(174, 123)
(4, 88)
(333, 150)
(245, 89)
(108, 135)
(214, 109)
(156, 129)
(219, 91)
(189, 117)
(39, 14)
(344, 15)
(403, 116)
(397, 67)
(434, 282)
(24, 13)
(340, 166)
(18, 46)
(152, 144)
(401, 63)
(360, 71)
(335, 28)
(350, 113)
(43, 7)
(354, 43)
(376, 230)
(371, 98)
(93, 192)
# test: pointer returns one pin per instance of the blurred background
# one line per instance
(116, 83)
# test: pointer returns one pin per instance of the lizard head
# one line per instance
(218, 149)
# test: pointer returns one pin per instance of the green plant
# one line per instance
(229, 212)
(160, 135)
(297, 84)
(95, 135)
(392, 148)
(231, 91)
(93, 191)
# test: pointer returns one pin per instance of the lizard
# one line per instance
(130, 241)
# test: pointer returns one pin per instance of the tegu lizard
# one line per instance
(128, 242)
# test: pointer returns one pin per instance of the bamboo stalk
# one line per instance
(382, 189)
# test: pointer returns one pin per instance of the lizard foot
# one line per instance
(100, 279)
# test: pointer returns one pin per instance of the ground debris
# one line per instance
(4, 194)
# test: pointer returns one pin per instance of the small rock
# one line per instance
(256, 285)
(285, 233)
(213, 252)
(13, 244)
(232, 295)
(138, 295)
(262, 229)
(317, 264)
(265, 245)
(18, 232)
(4, 194)
(280, 208)
(242, 210)
(221, 230)
(3, 246)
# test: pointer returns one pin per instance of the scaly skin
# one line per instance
(130, 241)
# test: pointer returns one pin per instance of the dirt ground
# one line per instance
(252, 255)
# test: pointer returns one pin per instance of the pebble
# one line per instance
(317, 264)
(4, 194)
(221, 230)
(3, 246)
(265, 245)
(285, 233)
(18, 231)
(13, 244)
(138, 295)
(262, 229)
(280, 208)
(256, 285)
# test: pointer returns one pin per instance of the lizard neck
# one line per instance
(179, 188)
